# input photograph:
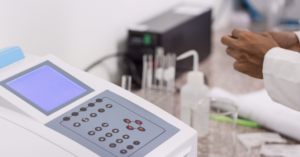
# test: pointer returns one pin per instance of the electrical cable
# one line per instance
(103, 59)
(131, 65)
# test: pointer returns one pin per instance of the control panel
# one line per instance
(112, 126)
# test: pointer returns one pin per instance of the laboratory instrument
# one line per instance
(49, 108)
(184, 27)
(193, 91)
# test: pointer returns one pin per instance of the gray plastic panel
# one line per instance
(156, 130)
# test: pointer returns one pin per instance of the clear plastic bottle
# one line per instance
(192, 93)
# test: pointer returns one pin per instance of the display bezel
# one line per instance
(59, 70)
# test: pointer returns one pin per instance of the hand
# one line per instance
(286, 40)
(249, 50)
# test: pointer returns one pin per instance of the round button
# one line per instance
(141, 129)
(105, 125)
(98, 100)
(129, 127)
(75, 114)
(91, 104)
(136, 142)
(138, 122)
(112, 145)
(130, 147)
(115, 130)
(76, 124)
(91, 132)
(85, 119)
(109, 105)
(93, 115)
(119, 140)
(126, 136)
(101, 110)
(123, 151)
(102, 139)
(108, 134)
(98, 128)
(66, 118)
(127, 121)
(83, 109)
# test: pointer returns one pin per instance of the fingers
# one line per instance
(236, 33)
(229, 41)
(237, 55)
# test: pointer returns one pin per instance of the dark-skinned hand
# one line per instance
(286, 40)
(249, 50)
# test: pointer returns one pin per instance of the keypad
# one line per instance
(112, 125)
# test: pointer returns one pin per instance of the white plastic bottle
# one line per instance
(191, 93)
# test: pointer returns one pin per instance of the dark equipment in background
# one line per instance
(176, 31)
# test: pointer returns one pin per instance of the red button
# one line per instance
(141, 129)
(129, 127)
(127, 121)
(138, 122)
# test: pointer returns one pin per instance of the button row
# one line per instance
(129, 121)
(139, 128)
(83, 109)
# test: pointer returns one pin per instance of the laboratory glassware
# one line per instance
(215, 121)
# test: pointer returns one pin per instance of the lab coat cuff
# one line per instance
(298, 35)
(278, 54)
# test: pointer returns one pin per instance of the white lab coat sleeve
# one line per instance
(281, 72)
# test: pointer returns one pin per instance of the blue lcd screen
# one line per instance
(46, 87)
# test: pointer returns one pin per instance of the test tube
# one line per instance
(145, 67)
(126, 82)
(150, 71)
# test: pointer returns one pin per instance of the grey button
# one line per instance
(101, 110)
(123, 151)
(91, 132)
(126, 136)
(98, 100)
(98, 128)
(109, 105)
(115, 130)
(93, 115)
(66, 118)
(136, 142)
(85, 119)
(105, 125)
(108, 134)
(76, 124)
(113, 145)
(82, 109)
(91, 104)
(102, 139)
(75, 114)
(130, 147)
(119, 140)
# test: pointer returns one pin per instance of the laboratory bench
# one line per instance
(219, 71)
